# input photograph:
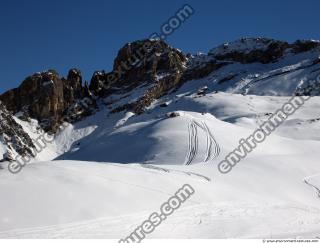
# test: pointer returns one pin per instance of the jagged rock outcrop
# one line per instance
(41, 96)
(46, 97)
(73, 89)
(13, 137)
(304, 45)
(146, 61)
(139, 62)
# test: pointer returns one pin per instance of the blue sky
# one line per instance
(39, 34)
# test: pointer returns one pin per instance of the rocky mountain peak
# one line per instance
(138, 62)
(75, 79)
(45, 96)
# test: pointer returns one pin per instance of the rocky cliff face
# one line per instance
(146, 61)
(138, 62)
(150, 63)
(45, 96)
(13, 137)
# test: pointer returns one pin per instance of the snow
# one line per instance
(86, 199)
(50, 82)
(106, 174)
(234, 206)
(282, 78)
(2, 151)
(244, 45)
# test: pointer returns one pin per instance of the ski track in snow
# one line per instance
(307, 181)
(212, 149)
(160, 169)
(193, 143)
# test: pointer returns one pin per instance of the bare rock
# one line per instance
(45, 96)
(13, 136)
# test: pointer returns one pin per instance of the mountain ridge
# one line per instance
(153, 69)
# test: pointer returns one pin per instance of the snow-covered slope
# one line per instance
(158, 139)
(287, 76)
(244, 45)
(97, 200)
(103, 176)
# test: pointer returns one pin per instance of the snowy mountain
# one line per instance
(128, 140)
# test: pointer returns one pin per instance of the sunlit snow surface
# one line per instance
(111, 171)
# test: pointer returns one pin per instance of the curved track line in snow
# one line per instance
(316, 188)
(160, 169)
(216, 146)
(74, 172)
(193, 143)
(212, 149)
